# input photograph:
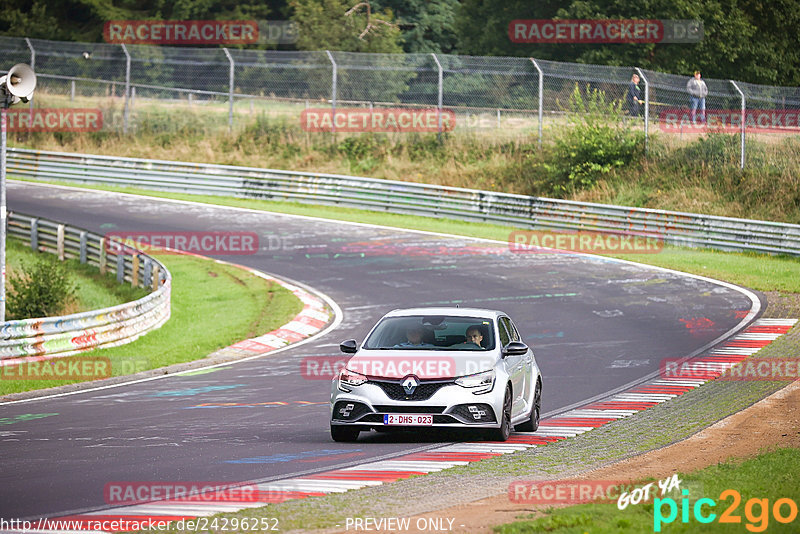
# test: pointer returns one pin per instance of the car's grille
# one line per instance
(474, 413)
(409, 409)
(349, 410)
(395, 391)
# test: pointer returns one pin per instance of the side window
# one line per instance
(501, 326)
(512, 329)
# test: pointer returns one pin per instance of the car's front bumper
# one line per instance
(450, 405)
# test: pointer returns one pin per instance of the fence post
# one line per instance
(103, 256)
(333, 91)
(439, 101)
(154, 282)
(72, 91)
(127, 87)
(646, 106)
(120, 266)
(135, 271)
(35, 234)
(60, 242)
(83, 246)
(148, 272)
(744, 113)
(541, 100)
(231, 68)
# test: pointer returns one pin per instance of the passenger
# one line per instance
(414, 336)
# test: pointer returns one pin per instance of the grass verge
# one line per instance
(213, 306)
(769, 476)
(93, 290)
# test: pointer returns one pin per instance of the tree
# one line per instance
(427, 27)
(324, 25)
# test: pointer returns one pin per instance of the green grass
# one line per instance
(93, 290)
(771, 476)
(213, 306)
(761, 272)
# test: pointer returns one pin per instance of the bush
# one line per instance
(40, 290)
(596, 142)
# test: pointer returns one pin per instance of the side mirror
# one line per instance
(348, 347)
(515, 348)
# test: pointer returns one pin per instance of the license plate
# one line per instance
(407, 419)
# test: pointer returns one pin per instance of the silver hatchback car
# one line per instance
(438, 367)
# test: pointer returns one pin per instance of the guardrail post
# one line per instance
(103, 255)
(541, 97)
(148, 272)
(127, 88)
(120, 266)
(60, 242)
(334, 76)
(83, 246)
(35, 235)
(230, 87)
(646, 106)
(744, 117)
(156, 277)
(135, 271)
(439, 101)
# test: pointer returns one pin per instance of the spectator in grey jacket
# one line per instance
(697, 95)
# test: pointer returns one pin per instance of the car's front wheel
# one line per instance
(532, 424)
(344, 433)
(502, 433)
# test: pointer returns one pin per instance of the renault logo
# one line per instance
(410, 383)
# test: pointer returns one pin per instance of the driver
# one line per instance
(414, 335)
(474, 335)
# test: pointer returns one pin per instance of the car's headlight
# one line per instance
(350, 378)
(482, 382)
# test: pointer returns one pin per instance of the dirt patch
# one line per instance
(771, 423)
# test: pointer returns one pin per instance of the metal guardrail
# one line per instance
(66, 335)
(678, 228)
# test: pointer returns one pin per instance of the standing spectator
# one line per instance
(697, 95)
(634, 96)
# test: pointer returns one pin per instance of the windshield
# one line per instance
(432, 332)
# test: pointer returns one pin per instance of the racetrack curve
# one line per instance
(595, 325)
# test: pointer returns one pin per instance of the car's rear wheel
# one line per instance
(502, 433)
(532, 424)
(344, 433)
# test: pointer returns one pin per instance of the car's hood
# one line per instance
(424, 364)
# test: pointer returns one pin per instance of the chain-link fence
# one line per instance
(508, 93)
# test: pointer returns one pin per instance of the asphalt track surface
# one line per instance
(595, 325)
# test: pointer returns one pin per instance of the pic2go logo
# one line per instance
(756, 511)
